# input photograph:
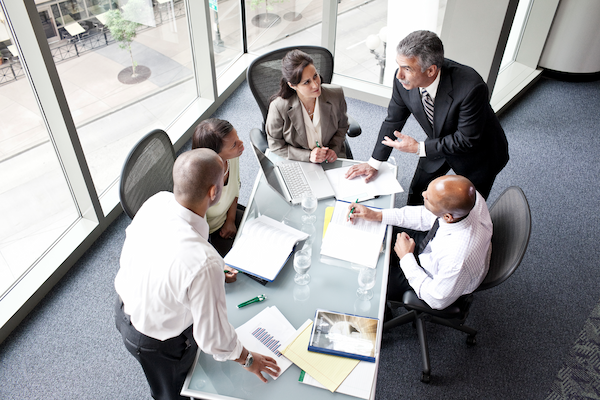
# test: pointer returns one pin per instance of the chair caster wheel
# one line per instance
(471, 340)
(425, 378)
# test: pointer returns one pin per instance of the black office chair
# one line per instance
(148, 169)
(264, 75)
(512, 227)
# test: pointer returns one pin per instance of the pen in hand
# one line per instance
(352, 210)
(319, 146)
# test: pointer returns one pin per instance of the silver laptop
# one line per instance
(292, 178)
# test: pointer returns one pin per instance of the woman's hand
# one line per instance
(331, 156)
(228, 230)
(318, 155)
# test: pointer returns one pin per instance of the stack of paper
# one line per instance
(265, 333)
(358, 384)
(264, 247)
(384, 183)
(359, 242)
(329, 370)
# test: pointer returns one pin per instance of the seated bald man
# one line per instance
(453, 259)
(171, 282)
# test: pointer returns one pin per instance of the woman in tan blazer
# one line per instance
(307, 120)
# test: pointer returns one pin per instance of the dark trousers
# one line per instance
(165, 363)
(397, 282)
(422, 178)
(223, 245)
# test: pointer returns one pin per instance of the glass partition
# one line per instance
(36, 204)
(226, 22)
(122, 84)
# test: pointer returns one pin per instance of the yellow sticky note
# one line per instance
(329, 370)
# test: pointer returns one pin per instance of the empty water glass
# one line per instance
(302, 265)
(309, 206)
(366, 281)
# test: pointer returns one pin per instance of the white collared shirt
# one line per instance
(312, 127)
(171, 277)
(455, 261)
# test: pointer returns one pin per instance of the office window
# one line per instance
(271, 24)
(119, 91)
(226, 23)
(516, 33)
(367, 35)
(36, 205)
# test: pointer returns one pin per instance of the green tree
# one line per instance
(123, 30)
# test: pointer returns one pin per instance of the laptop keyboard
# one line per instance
(294, 179)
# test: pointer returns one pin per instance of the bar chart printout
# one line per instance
(264, 334)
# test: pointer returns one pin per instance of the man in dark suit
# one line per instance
(451, 103)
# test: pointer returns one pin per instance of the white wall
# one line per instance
(573, 44)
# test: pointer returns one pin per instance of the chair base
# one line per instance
(418, 318)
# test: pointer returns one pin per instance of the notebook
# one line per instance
(292, 178)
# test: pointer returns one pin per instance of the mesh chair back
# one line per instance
(148, 170)
(264, 73)
(511, 217)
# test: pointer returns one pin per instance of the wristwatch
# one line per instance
(249, 360)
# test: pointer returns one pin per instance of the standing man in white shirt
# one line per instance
(454, 259)
(171, 282)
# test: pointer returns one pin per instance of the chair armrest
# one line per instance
(353, 129)
(413, 302)
(454, 310)
(259, 138)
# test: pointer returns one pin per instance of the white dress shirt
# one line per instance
(171, 277)
(455, 261)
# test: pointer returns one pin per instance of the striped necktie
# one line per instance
(427, 105)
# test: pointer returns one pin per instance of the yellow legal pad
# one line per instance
(329, 370)
(327, 218)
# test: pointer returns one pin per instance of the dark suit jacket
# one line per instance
(466, 132)
(285, 124)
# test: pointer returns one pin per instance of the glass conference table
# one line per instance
(332, 287)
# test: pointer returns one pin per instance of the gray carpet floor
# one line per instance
(531, 328)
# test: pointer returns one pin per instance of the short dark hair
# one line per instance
(210, 134)
(425, 46)
(292, 66)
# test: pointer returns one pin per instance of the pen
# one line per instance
(319, 146)
(257, 299)
(352, 210)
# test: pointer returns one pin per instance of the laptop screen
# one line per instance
(268, 169)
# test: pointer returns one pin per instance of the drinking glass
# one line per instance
(366, 281)
(310, 229)
(309, 206)
(302, 265)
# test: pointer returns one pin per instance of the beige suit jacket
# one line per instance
(285, 124)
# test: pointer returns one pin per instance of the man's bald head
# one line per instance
(452, 195)
(194, 174)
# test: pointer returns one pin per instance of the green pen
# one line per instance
(257, 299)
(352, 210)
(319, 146)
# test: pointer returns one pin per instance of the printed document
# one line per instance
(349, 190)
(264, 334)
(359, 243)
(264, 247)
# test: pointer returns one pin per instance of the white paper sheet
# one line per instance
(349, 190)
(264, 334)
